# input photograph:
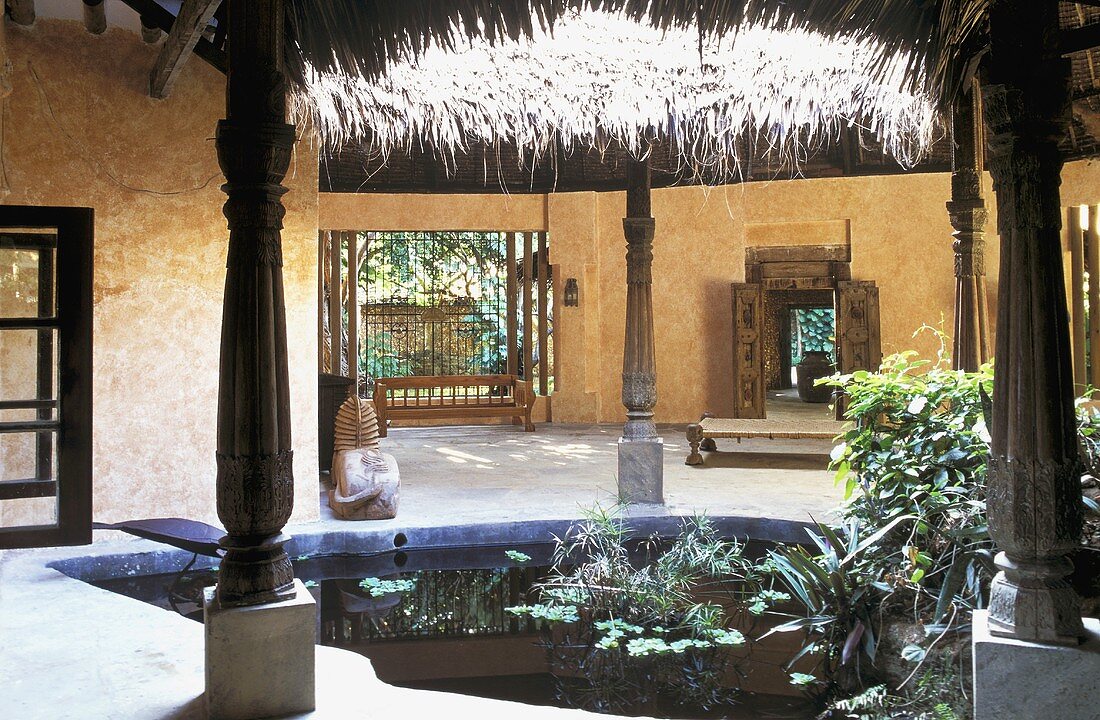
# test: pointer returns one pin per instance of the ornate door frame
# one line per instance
(799, 267)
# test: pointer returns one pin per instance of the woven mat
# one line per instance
(793, 429)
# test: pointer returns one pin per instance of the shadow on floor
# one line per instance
(765, 460)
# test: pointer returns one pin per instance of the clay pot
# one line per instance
(815, 364)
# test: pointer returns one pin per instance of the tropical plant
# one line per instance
(839, 588)
(637, 623)
(917, 447)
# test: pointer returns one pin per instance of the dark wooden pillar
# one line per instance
(1034, 494)
(639, 363)
(968, 218)
(255, 479)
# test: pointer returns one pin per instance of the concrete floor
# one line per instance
(71, 650)
(498, 473)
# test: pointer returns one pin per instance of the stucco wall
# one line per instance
(897, 226)
(80, 129)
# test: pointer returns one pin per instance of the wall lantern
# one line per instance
(572, 293)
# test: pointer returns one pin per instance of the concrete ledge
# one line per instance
(1018, 680)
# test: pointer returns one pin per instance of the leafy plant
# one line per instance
(917, 446)
(641, 624)
(839, 588)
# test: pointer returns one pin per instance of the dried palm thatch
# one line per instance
(939, 39)
(601, 78)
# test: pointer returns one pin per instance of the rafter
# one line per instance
(1078, 39)
(188, 27)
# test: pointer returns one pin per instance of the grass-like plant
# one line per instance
(631, 625)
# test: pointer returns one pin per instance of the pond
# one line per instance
(437, 619)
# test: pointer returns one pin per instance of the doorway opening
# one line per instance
(799, 315)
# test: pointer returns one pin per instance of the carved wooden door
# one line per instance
(748, 350)
(859, 340)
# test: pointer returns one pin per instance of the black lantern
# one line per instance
(572, 293)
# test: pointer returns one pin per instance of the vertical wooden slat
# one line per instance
(45, 374)
(353, 307)
(528, 330)
(510, 303)
(1093, 265)
(335, 321)
(556, 286)
(1077, 297)
(544, 328)
(322, 239)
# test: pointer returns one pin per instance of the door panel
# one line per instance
(859, 339)
(748, 350)
(45, 376)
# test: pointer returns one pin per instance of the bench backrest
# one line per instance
(439, 391)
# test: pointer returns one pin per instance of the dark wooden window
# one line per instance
(45, 376)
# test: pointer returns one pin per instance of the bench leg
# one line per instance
(707, 444)
(528, 426)
(694, 438)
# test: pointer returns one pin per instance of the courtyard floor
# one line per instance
(498, 473)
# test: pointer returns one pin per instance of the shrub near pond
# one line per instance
(887, 594)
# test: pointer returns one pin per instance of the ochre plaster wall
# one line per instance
(80, 129)
(897, 226)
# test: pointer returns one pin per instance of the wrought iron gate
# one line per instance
(435, 303)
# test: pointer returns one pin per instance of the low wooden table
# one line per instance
(701, 435)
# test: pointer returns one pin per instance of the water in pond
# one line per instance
(437, 619)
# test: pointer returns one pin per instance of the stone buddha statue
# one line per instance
(365, 481)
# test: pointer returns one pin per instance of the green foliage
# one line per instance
(436, 303)
(835, 586)
(812, 329)
(916, 448)
(378, 587)
(517, 557)
(912, 462)
(634, 630)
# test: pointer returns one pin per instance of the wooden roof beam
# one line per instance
(188, 27)
(95, 19)
(22, 11)
(1079, 39)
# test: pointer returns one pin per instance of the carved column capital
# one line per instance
(255, 480)
(1033, 486)
(639, 392)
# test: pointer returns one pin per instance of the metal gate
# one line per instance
(436, 303)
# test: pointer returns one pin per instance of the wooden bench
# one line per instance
(703, 433)
(453, 397)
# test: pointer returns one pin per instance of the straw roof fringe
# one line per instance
(600, 79)
(940, 39)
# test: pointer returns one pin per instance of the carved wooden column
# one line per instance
(1034, 495)
(255, 479)
(968, 217)
(640, 450)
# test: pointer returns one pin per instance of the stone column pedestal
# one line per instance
(641, 470)
(260, 658)
(1021, 680)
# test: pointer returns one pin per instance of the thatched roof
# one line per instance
(939, 38)
(600, 79)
